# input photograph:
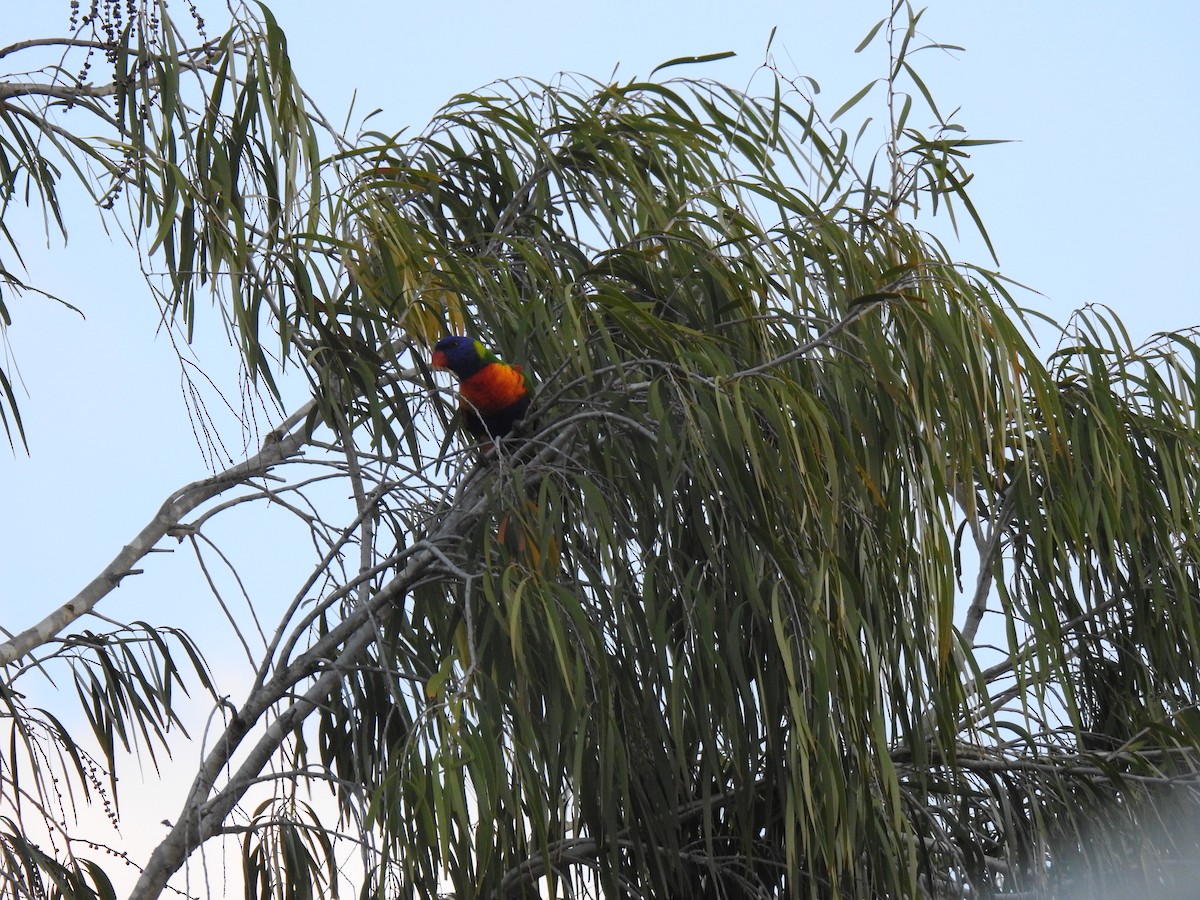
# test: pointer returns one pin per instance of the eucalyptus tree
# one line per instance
(709, 623)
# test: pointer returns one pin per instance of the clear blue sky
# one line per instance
(1094, 202)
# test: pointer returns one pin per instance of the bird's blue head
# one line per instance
(463, 356)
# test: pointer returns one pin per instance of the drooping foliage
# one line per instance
(198, 144)
(743, 597)
(709, 623)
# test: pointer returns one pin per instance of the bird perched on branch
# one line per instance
(493, 396)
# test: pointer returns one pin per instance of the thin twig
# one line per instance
(862, 306)
(987, 567)
(168, 517)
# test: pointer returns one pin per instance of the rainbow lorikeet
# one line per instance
(493, 396)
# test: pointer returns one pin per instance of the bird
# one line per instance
(493, 396)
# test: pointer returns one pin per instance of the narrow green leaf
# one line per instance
(866, 41)
(692, 60)
(853, 101)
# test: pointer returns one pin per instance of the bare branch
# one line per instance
(862, 306)
(168, 517)
(13, 89)
(18, 46)
(987, 563)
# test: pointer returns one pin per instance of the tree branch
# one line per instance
(11, 89)
(54, 42)
(987, 575)
(861, 306)
(332, 654)
(275, 449)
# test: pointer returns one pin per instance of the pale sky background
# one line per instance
(1096, 201)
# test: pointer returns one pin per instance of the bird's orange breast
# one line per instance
(494, 387)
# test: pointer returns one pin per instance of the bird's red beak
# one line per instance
(439, 359)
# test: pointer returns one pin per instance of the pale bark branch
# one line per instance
(18, 46)
(204, 813)
(328, 659)
(987, 568)
(276, 449)
(861, 306)
(12, 89)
